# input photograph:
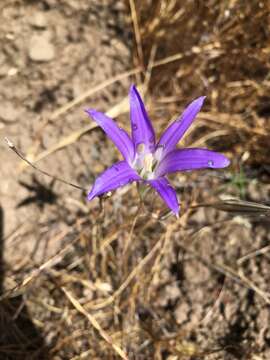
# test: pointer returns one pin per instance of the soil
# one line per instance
(186, 301)
(83, 46)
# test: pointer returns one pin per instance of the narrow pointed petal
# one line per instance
(191, 159)
(166, 192)
(142, 129)
(119, 136)
(177, 129)
(114, 177)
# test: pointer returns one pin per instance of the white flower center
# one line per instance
(146, 162)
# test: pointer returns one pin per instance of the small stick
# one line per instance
(21, 156)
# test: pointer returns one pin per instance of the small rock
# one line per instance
(41, 49)
(181, 313)
(199, 216)
(8, 112)
(120, 47)
(38, 20)
(10, 36)
(120, 6)
(13, 71)
(171, 293)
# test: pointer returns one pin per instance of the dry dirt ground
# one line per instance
(87, 44)
(170, 289)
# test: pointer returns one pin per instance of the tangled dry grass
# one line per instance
(113, 289)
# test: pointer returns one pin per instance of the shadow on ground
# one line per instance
(19, 338)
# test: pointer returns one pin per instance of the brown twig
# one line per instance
(56, 178)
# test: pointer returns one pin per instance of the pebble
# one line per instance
(41, 49)
(13, 71)
(120, 47)
(8, 112)
(38, 20)
(181, 313)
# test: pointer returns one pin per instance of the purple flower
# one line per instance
(146, 160)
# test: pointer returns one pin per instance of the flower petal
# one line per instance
(114, 177)
(119, 136)
(166, 192)
(191, 159)
(142, 129)
(177, 129)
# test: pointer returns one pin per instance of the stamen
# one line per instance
(158, 152)
(148, 162)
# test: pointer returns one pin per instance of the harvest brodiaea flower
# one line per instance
(147, 160)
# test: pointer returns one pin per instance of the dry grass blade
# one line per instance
(92, 91)
(203, 140)
(169, 59)
(62, 143)
(150, 66)
(255, 288)
(209, 315)
(253, 254)
(18, 289)
(31, 154)
(232, 121)
(95, 324)
(164, 247)
(129, 279)
(238, 206)
(118, 109)
(26, 161)
(84, 355)
(230, 273)
(136, 31)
